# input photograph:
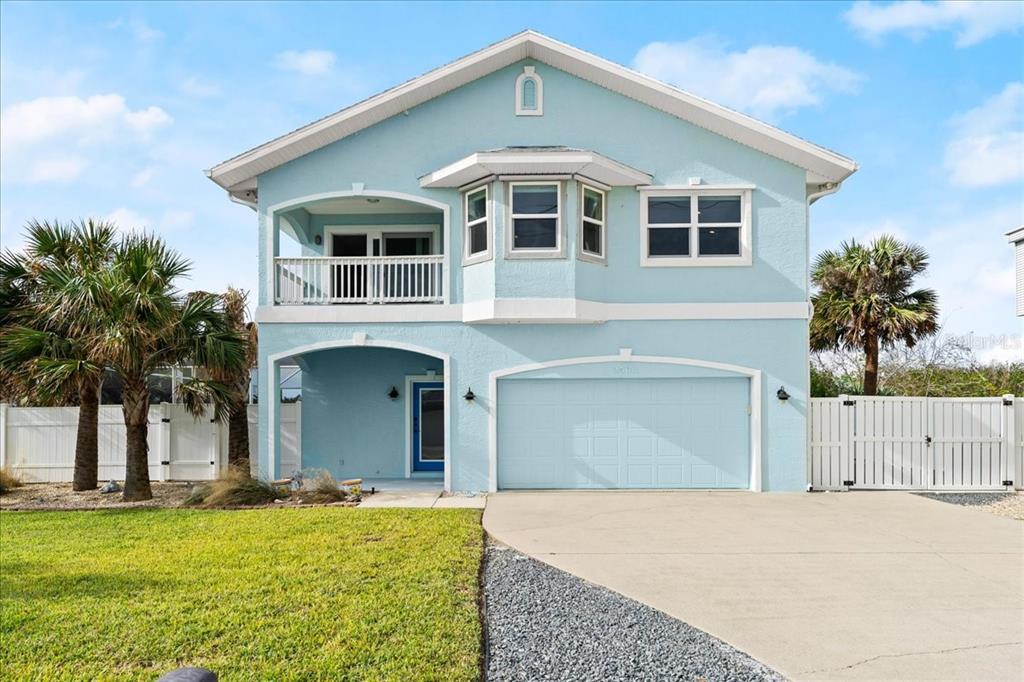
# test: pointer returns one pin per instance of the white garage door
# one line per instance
(624, 433)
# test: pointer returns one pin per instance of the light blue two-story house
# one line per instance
(534, 268)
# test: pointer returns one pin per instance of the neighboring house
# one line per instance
(1017, 239)
(534, 268)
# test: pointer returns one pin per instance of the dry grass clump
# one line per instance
(9, 480)
(234, 488)
(323, 489)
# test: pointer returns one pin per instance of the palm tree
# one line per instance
(864, 300)
(145, 324)
(234, 379)
(42, 357)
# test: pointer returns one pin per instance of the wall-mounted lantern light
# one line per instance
(318, 240)
(470, 396)
(781, 394)
(393, 393)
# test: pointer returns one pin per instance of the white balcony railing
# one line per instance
(373, 279)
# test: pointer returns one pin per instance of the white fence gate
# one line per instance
(881, 442)
(38, 443)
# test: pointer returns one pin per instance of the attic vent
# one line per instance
(529, 93)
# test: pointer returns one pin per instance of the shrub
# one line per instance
(9, 480)
(234, 488)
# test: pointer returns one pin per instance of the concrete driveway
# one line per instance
(856, 585)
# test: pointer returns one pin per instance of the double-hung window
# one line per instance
(535, 220)
(476, 236)
(709, 227)
(592, 224)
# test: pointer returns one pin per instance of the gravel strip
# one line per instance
(544, 624)
(1010, 505)
(59, 496)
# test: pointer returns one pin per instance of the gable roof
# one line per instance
(237, 175)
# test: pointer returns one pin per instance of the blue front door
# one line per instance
(428, 426)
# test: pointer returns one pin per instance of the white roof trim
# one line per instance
(1015, 236)
(822, 165)
(549, 162)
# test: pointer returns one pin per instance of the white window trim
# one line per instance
(559, 251)
(694, 260)
(467, 257)
(583, 254)
(529, 72)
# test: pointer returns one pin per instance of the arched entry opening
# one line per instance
(371, 409)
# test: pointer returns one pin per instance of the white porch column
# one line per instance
(270, 419)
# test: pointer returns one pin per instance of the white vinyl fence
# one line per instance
(872, 442)
(38, 443)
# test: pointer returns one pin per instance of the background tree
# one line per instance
(864, 300)
(145, 324)
(43, 357)
(234, 379)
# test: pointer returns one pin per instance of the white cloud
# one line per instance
(987, 147)
(307, 62)
(99, 116)
(196, 87)
(56, 170)
(142, 178)
(130, 220)
(764, 80)
(140, 30)
(972, 22)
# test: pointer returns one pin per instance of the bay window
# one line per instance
(592, 224)
(476, 236)
(535, 219)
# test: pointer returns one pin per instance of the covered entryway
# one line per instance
(371, 409)
(679, 432)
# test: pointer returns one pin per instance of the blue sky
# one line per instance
(114, 110)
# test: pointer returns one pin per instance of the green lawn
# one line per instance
(276, 594)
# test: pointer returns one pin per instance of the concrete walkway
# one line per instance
(819, 586)
(421, 493)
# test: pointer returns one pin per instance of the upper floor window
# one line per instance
(592, 224)
(702, 227)
(529, 93)
(535, 219)
(476, 236)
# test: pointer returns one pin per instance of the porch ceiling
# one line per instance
(366, 206)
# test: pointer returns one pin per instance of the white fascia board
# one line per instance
(1014, 236)
(820, 164)
(345, 314)
(532, 311)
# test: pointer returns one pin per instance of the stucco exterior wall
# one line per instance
(393, 155)
(476, 351)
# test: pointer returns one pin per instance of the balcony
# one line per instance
(368, 279)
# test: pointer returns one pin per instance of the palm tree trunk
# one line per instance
(238, 435)
(86, 444)
(871, 364)
(135, 404)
